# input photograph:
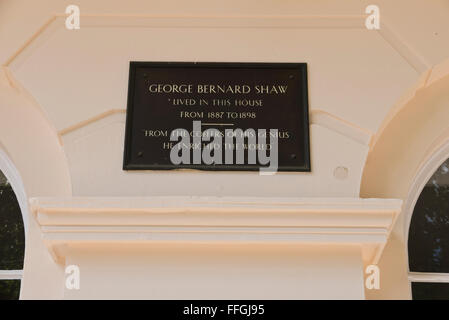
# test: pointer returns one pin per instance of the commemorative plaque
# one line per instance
(197, 111)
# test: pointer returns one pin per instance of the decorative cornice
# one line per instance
(325, 221)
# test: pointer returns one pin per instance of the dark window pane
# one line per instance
(9, 289)
(430, 291)
(12, 237)
(428, 241)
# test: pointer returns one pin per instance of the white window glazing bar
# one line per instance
(428, 277)
(11, 274)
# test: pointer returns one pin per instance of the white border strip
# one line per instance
(428, 277)
(11, 274)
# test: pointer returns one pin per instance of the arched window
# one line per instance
(428, 241)
(12, 242)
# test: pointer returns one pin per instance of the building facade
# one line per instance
(375, 199)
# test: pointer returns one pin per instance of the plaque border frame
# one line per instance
(133, 65)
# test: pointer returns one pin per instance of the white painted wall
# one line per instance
(187, 271)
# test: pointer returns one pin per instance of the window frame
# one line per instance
(13, 177)
(424, 174)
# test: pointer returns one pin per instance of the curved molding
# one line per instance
(428, 78)
(15, 85)
(438, 72)
(35, 138)
(428, 168)
(407, 137)
(363, 222)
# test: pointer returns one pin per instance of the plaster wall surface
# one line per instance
(220, 271)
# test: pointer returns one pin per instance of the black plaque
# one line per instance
(164, 96)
